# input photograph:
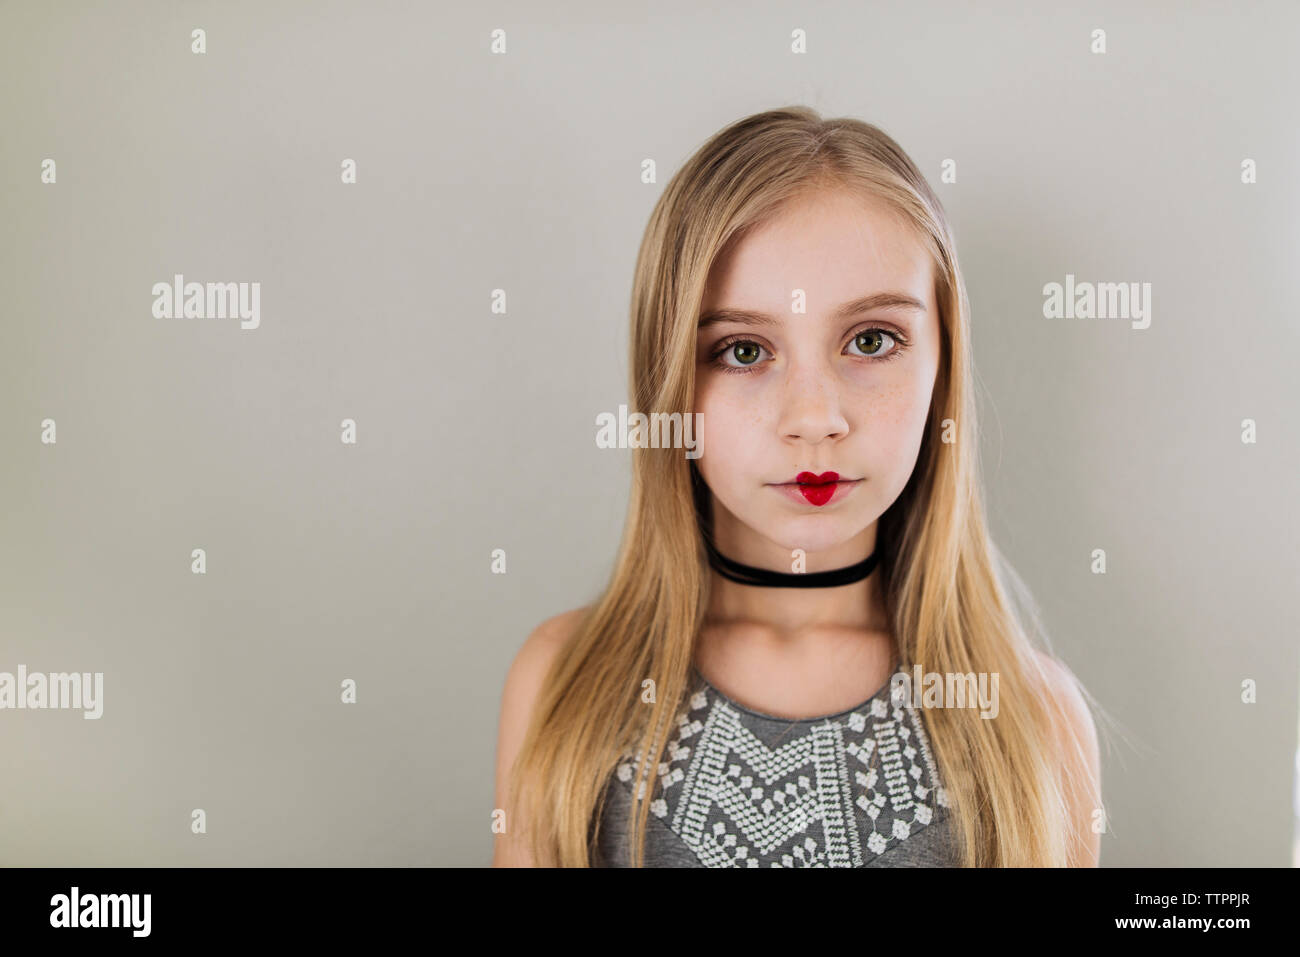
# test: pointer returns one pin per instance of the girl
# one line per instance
(727, 701)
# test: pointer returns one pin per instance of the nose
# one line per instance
(811, 408)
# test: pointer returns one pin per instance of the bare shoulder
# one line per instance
(1067, 697)
(1076, 734)
(523, 684)
(543, 644)
(528, 670)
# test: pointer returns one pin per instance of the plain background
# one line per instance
(476, 431)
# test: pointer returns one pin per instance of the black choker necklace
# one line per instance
(749, 575)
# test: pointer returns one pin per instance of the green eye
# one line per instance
(872, 343)
(746, 352)
(871, 335)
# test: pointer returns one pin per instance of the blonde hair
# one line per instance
(945, 583)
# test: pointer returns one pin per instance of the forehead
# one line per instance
(835, 245)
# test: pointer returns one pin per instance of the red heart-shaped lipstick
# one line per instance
(817, 489)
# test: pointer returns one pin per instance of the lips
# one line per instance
(817, 489)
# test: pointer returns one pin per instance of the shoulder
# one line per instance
(1075, 734)
(523, 684)
(1068, 700)
(540, 648)
(530, 666)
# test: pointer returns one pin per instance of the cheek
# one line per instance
(730, 430)
(895, 420)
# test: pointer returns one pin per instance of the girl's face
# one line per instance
(817, 351)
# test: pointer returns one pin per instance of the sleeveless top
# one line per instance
(739, 788)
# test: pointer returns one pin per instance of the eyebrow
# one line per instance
(878, 300)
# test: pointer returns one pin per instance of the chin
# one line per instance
(814, 533)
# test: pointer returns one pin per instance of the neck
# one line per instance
(787, 611)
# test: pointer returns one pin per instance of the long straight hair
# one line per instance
(945, 584)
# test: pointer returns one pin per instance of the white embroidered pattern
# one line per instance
(738, 803)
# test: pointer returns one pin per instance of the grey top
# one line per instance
(739, 788)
